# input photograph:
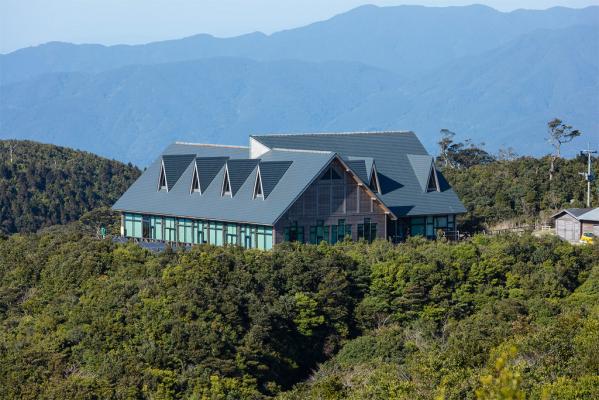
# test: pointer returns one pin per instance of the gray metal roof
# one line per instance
(271, 173)
(174, 166)
(302, 168)
(365, 163)
(239, 170)
(207, 168)
(421, 165)
(359, 167)
(287, 169)
(592, 215)
(401, 189)
(578, 213)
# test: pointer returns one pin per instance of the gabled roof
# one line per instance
(422, 166)
(586, 214)
(303, 167)
(362, 166)
(288, 164)
(174, 166)
(401, 188)
(239, 170)
(208, 168)
(592, 215)
(271, 173)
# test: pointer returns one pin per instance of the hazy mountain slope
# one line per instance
(501, 97)
(133, 112)
(404, 39)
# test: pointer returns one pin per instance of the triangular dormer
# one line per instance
(374, 181)
(162, 185)
(195, 181)
(258, 188)
(433, 181)
(226, 184)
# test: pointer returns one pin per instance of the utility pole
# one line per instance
(588, 176)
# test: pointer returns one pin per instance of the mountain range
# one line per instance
(490, 76)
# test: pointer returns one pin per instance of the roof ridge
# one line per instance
(303, 151)
(212, 145)
(330, 133)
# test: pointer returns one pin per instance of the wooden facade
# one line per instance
(335, 205)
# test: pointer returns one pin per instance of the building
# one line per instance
(571, 223)
(305, 187)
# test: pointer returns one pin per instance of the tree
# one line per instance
(559, 133)
(460, 155)
(444, 146)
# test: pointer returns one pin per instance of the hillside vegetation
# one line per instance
(520, 189)
(85, 318)
(42, 185)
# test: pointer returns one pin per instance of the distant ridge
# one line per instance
(491, 76)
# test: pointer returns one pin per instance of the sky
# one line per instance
(30, 22)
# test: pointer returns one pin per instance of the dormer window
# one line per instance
(258, 190)
(226, 184)
(162, 180)
(433, 182)
(195, 182)
(374, 181)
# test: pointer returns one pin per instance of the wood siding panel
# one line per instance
(330, 201)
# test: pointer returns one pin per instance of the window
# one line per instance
(339, 231)
(264, 237)
(145, 227)
(441, 222)
(200, 232)
(184, 230)
(226, 184)
(294, 233)
(156, 228)
(433, 183)
(216, 233)
(319, 232)
(367, 230)
(133, 225)
(169, 229)
(334, 236)
(247, 234)
(430, 229)
(231, 234)
(374, 181)
(162, 181)
(258, 186)
(330, 174)
(195, 181)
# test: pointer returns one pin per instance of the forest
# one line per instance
(492, 317)
(519, 189)
(503, 316)
(42, 185)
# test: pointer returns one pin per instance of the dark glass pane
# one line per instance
(335, 174)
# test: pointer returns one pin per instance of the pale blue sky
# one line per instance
(30, 22)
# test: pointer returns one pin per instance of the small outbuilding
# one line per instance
(571, 223)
